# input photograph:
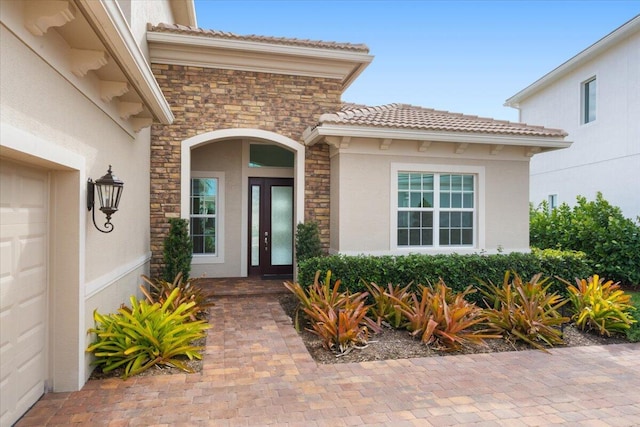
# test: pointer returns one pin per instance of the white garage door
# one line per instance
(23, 286)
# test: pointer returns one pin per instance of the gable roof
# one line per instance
(404, 116)
(621, 33)
(184, 45)
(408, 122)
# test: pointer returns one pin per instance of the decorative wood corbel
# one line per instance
(424, 146)
(110, 89)
(385, 144)
(39, 16)
(338, 142)
(462, 147)
(83, 61)
(140, 123)
(495, 149)
(128, 109)
(532, 150)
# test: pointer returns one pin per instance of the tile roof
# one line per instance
(182, 29)
(404, 116)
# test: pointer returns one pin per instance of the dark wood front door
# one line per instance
(271, 227)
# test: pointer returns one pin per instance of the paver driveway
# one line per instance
(257, 372)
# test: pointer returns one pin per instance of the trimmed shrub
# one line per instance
(178, 250)
(458, 271)
(307, 241)
(633, 333)
(610, 241)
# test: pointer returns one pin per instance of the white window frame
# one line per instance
(584, 101)
(218, 258)
(479, 207)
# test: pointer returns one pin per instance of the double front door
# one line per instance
(271, 226)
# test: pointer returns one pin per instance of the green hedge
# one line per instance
(458, 271)
(600, 230)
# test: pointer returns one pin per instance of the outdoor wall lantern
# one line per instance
(109, 191)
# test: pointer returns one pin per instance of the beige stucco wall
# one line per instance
(361, 201)
(143, 12)
(223, 156)
(70, 136)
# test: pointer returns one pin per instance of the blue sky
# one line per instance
(461, 56)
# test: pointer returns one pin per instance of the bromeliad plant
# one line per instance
(341, 327)
(145, 335)
(338, 318)
(600, 306)
(524, 311)
(441, 318)
(320, 293)
(385, 307)
(188, 291)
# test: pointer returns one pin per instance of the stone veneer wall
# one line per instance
(204, 100)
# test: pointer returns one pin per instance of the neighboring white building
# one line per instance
(77, 94)
(595, 97)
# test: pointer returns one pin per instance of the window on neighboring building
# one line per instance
(435, 209)
(589, 100)
(204, 209)
(553, 201)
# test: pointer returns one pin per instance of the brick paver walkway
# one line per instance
(257, 372)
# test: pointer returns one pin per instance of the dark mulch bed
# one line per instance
(399, 344)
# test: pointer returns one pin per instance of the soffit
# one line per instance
(90, 44)
(179, 45)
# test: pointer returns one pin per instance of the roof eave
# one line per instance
(312, 136)
(621, 33)
(112, 28)
(188, 49)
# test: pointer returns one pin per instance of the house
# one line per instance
(595, 97)
(261, 141)
(77, 95)
(244, 136)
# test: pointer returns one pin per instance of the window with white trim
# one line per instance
(589, 101)
(204, 215)
(436, 209)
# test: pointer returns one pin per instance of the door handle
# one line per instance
(266, 241)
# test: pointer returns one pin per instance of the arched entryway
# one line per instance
(229, 198)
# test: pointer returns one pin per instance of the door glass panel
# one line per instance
(255, 225)
(281, 225)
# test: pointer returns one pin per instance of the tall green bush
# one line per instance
(307, 241)
(178, 250)
(600, 230)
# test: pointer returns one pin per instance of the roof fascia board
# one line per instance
(195, 49)
(313, 136)
(184, 12)
(588, 54)
(107, 20)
